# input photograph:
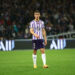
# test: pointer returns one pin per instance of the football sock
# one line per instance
(44, 59)
(34, 59)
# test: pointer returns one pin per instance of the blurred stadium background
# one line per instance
(15, 16)
(58, 15)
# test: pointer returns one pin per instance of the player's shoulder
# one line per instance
(31, 21)
(42, 21)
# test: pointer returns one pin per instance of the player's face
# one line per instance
(37, 16)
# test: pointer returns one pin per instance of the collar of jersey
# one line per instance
(37, 20)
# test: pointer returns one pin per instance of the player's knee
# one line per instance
(42, 51)
(35, 51)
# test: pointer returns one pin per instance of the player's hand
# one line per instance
(37, 36)
(45, 42)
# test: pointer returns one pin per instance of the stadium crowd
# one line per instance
(15, 16)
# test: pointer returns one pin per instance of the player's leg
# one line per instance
(34, 56)
(34, 52)
(43, 57)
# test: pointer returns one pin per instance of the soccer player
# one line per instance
(39, 39)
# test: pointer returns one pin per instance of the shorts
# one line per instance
(37, 44)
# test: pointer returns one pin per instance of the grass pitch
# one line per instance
(60, 62)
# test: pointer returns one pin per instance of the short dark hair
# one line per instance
(36, 11)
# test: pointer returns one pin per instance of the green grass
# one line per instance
(61, 62)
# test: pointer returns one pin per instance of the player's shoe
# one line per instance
(45, 66)
(35, 66)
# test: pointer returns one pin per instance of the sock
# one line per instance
(44, 59)
(34, 59)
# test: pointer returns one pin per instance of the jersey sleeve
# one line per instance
(31, 25)
(43, 26)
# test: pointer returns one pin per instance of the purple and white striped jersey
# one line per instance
(37, 27)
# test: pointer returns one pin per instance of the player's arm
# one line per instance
(44, 34)
(32, 32)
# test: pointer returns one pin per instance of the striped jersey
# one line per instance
(37, 27)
